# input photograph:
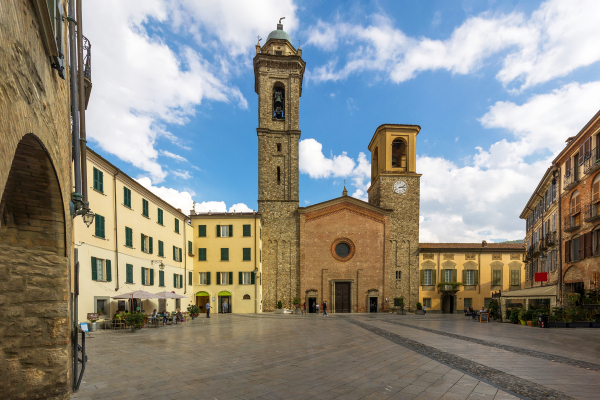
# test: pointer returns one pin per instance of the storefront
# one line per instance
(538, 297)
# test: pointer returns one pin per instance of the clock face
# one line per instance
(400, 187)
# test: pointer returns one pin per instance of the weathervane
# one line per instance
(281, 19)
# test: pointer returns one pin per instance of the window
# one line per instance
(201, 230)
(146, 244)
(177, 281)
(161, 278)
(224, 230)
(190, 278)
(398, 275)
(224, 278)
(469, 277)
(177, 304)
(56, 36)
(554, 222)
(99, 231)
(448, 275)
(515, 278)
(145, 208)
(101, 270)
(427, 277)
(398, 153)
(247, 231)
(176, 225)
(596, 242)
(147, 276)
(203, 278)
(126, 197)
(575, 249)
(177, 254)
(128, 273)
(496, 277)
(160, 216)
(246, 254)
(190, 249)
(246, 278)
(202, 254)
(278, 52)
(427, 302)
(278, 146)
(161, 248)
(128, 237)
(224, 254)
(98, 180)
(278, 101)
(260, 259)
(102, 306)
(468, 303)
(486, 302)
(278, 175)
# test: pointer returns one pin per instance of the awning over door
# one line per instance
(202, 294)
(540, 291)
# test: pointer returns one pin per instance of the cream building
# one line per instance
(481, 268)
(137, 242)
(228, 261)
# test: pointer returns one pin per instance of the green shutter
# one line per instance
(174, 253)
(464, 277)
(143, 246)
(150, 249)
(218, 230)
(190, 251)
(174, 280)
(443, 277)
(176, 225)
(224, 254)
(97, 226)
(230, 230)
(246, 254)
(180, 281)
(190, 278)
(433, 277)
(143, 278)
(161, 278)
(94, 270)
(231, 278)
(202, 254)
(161, 249)
(252, 278)
(127, 197)
(218, 278)
(128, 273)
(96, 179)
(208, 278)
(422, 277)
(201, 230)
(152, 277)
(241, 278)
(247, 231)
(101, 180)
(475, 277)
(180, 255)
(108, 271)
(160, 216)
(454, 275)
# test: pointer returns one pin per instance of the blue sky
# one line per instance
(496, 87)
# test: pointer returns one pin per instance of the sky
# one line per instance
(496, 86)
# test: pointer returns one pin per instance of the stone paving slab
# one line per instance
(241, 357)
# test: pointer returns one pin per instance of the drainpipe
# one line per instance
(255, 268)
(74, 96)
(560, 241)
(116, 231)
(82, 133)
(185, 259)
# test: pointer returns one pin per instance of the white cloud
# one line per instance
(175, 157)
(177, 199)
(182, 174)
(240, 207)
(211, 206)
(558, 38)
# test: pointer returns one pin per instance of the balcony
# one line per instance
(449, 286)
(536, 251)
(550, 239)
(592, 161)
(572, 222)
(592, 212)
(542, 245)
(571, 179)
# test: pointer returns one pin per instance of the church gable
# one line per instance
(346, 204)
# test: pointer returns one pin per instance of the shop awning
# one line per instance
(540, 291)
(202, 294)
(224, 294)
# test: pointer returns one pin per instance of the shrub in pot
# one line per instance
(419, 306)
(194, 311)
(296, 303)
(135, 320)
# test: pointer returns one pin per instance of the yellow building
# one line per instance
(228, 261)
(481, 268)
(136, 242)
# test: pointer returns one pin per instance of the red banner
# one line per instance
(541, 277)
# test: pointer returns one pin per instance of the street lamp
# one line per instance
(88, 218)
(79, 207)
(160, 264)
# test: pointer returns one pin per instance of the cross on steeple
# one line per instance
(298, 43)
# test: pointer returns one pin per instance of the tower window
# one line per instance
(278, 53)
(278, 146)
(398, 153)
(278, 175)
(278, 101)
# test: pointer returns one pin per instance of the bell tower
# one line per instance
(395, 185)
(278, 74)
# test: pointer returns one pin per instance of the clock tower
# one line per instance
(278, 74)
(395, 185)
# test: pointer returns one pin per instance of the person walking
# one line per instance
(317, 308)
(424, 310)
(207, 309)
(325, 309)
(224, 307)
(304, 308)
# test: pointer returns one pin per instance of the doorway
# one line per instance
(223, 299)
(448, 304)
(373, 304)
(312, 305)
(201, 302)
(342, 297)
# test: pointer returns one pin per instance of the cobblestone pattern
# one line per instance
(508, 382)
(514, 349)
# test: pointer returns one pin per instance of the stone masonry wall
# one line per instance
(34, 240)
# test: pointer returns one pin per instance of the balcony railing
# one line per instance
(592, 161)
(572, 222)
(550, 239)
(542, 245)
(87, 69)
(592, 212)
(536, 251)
(571, 179)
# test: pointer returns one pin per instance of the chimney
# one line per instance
(484, 244)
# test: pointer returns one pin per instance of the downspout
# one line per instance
(479, 272)
(560, 240)
(255, 268)
(82, 133)
(116, 230)
(74, 96)
(185, 259)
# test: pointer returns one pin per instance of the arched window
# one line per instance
(278, 175)
(398, 153)
(278, 101)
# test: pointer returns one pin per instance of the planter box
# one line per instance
(279, 311)
(400, 312)
(581, 324)
(595, 325)
(419, 312)
(93, 326)
(523, 322)
(528, 323)
(558, 324)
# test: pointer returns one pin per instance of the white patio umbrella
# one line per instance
(138, 294)
(169, 295)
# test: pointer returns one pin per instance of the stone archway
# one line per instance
(34, 278)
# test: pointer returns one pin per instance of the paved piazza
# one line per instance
(351, 356)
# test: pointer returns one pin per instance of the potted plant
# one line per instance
(93, 326)
(400, 304)
(522, 316)
(557, 319)
(514, 315)
(296, 305)
(135, 321)
(279, 308)
(494, 308)
(194, 311)
(419, 309)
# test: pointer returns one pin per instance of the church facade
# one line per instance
(357, 256)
